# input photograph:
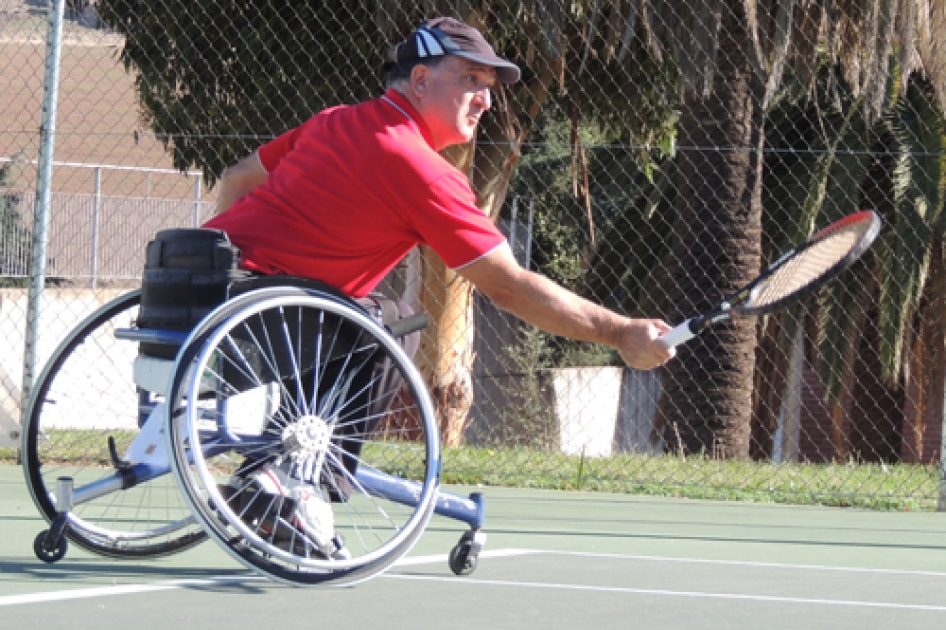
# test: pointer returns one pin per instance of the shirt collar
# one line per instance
(397, 101)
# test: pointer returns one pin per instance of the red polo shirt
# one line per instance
(349, 193)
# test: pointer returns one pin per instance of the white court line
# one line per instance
(646, 591)
(127, 589)
(742, 563)
(132, 589)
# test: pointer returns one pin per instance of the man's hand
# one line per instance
(638, 345)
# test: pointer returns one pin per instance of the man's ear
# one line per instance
(419, 76)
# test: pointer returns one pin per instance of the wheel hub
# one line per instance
(309, 435)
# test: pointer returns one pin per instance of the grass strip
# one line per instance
(869, 486)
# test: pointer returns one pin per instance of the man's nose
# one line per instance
(484, 96)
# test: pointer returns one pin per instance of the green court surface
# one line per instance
(553, 560)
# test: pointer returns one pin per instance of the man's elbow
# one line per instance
(230, 177)
(502, 295)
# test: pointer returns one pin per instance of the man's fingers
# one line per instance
(662, 326)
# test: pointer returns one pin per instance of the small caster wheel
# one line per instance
(49, 555)
(463, 557)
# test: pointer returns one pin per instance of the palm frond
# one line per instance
(830, 177)
(917, 179)
(551, 20)
(780, 48)
(903, 273)
(590, 35)
(629, 27)
(839, 332)
(931, 49)
(921, 129)
(756, 55)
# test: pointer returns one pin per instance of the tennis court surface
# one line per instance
(553, 560)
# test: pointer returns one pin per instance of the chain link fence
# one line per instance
(653, 159)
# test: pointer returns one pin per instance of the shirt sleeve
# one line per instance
(453, 225)
(273, 151)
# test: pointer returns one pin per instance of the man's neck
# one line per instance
(410, 98)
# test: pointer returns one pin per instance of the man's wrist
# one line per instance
(614, 329)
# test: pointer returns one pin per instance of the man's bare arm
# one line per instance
(238, 181)
(541, 302)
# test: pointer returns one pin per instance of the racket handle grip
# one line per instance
(675, 336)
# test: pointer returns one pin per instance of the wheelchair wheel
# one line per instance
(84, 399)
(311, 468)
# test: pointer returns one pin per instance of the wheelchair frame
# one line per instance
(84, 502)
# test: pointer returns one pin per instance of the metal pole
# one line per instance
(96, 209)
(197, 181)
(44, 177)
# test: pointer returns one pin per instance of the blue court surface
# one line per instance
(552, 560)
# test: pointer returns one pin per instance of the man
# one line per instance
(345, 196)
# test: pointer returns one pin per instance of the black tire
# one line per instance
(461, 560)
(49, 555)
(309, 357)
(85, 395)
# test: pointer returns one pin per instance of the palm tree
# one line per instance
(732, 56)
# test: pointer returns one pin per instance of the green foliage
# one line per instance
(610, 254)
(528, 420)
(217, 79)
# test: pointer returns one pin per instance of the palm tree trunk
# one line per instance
(445, 356)
(706, 406)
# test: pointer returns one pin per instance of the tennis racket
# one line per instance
(795, 274)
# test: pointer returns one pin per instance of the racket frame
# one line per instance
(735, 306)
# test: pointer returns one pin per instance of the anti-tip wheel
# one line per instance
(49, 555)
(463, 559)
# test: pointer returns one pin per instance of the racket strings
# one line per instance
(809, 265)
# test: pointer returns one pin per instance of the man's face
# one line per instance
(455, 94)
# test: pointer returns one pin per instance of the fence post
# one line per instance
(197, 181)
(96, 208)
(47, 140)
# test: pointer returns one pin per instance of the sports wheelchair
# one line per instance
(136, 437)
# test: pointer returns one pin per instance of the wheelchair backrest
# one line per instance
(187, 273)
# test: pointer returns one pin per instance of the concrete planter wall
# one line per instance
(586, 401)
(598, 410)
